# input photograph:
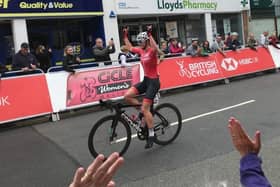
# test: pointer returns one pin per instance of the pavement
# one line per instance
(202, 155)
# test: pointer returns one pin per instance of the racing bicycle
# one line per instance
(113, 133)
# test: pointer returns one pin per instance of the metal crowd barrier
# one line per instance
(21, 73)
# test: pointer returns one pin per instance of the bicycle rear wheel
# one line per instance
(167, 123)
(106, 137)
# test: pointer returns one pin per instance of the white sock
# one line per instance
(151, 132)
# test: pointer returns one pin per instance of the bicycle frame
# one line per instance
(122, 114)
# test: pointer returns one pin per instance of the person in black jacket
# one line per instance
(70, 59)
(24, 60)
(234, 44)
(101, 53)
(3, 69)
(44, 57)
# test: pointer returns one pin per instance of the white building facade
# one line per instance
(181, 19)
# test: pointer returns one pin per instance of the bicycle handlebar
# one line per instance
(117, 106)
(110, 105)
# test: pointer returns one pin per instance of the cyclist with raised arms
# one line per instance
(148, 51)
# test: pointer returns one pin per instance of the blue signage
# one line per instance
(50, 6)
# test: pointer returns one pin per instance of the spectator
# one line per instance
(24, 60)
(70, 59)
(252, 42)
(175, 47)
(264, 41)
(234, 44)
(101, 53)
(218, 45)
(3, 69)
(251, 174)
(205, 49)
(273, 40)
(99, 173)
(164, 47)
(227, 40)
(126, 56)
(194, 49)
(44, 57)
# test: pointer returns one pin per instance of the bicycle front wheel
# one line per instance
(108, 136)
(167, 123)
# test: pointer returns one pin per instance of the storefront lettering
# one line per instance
(186, 4)
(4, 101)
(200, 5)
(162, 4)
(44, 6)
(4, 3)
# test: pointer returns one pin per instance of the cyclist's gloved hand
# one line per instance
(149, 30)
(125, 33)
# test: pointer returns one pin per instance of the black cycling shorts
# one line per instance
(148, 86)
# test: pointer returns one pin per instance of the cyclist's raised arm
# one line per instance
(126, 40)
(152, 40)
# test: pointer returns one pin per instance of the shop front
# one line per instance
(182, 19)
(54, 24)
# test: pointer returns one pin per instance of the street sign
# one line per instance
(262, 4)
(277, 8)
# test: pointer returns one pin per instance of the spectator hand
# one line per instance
(25, 69)
(125, 32)
(242, 141)
(33, 66)
(99, 173)
(149, 30)
(111, 43)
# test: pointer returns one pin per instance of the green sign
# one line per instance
(262, 4)
(187, 4)
(244, 3)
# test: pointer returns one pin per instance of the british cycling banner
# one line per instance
(93, 85)
(245, 61)
(24, 97)
(184, 71)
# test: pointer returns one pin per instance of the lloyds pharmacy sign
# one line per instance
(31, 6)
(172, 5)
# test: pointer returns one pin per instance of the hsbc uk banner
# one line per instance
(245, 61)
(186, 71)
(23, 98)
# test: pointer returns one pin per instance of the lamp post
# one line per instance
(277, 14)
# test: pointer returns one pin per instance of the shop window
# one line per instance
(7, 43)
(227, 23)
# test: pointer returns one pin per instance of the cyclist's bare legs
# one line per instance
(146, 106)
(130, 96)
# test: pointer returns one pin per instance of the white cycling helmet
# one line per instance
(143, 36)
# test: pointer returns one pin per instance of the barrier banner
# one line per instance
(24, 97)
(275, 55)
(245, 61)
(184, 71)
(91, 86)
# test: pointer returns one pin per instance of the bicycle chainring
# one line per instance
(143, 135)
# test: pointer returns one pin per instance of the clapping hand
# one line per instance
(242, 142)
(99, 173)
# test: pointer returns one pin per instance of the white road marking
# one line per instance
(197, 117)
